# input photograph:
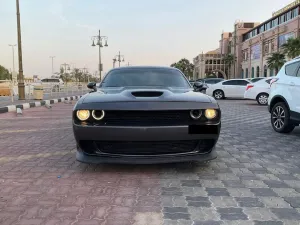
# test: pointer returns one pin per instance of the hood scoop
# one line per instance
(147, 93)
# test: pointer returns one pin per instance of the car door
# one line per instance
(229, 88)
(295, 85)
(241, 88)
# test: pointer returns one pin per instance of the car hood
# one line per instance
(145, 94)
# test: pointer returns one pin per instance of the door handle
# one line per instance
(292, 84)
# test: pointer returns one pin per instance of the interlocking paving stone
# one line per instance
(217, 192)
(294, 202)
(254, 181)
(249, 202)
(290, 214)
(263, 192)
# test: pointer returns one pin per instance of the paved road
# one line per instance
(255, 180)
(5, 101)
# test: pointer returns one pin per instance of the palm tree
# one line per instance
(229, 59)
(276, 61)
(292, 47)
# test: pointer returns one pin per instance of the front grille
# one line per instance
(145, 147)
(147, 118)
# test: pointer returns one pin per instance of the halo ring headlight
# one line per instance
(83, 114)
(211, 113)
(98, 117)
(196, 114)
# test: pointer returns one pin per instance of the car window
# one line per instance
(290, 69)
(134, 77)
(210, 81)
(44, 80)
(242, 82)
(230, 82)
(298, 73)
(268, 81)
(256, 79)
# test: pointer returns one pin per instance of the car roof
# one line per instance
(144, 67)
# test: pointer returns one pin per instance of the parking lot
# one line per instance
(254, 181)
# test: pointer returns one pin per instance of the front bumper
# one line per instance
(90, 153)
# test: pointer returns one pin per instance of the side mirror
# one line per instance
(198, 84)
(92, 85)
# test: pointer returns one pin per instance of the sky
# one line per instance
(156, 32)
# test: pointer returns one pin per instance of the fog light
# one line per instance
(210, 113)
(83, 114)
(196, 114)
(98, 114)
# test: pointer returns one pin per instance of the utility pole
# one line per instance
(21, 86)
(13, 53)
(114, 62)
(118, 58)
(99, 39)
(52, 57)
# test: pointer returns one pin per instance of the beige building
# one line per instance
(251, 43)
(266, 38)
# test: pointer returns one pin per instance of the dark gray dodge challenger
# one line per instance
(145, 115)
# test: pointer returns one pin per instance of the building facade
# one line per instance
(267, 38)
(251, 43)
(209, 63)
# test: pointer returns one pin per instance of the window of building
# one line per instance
(252, 72)
(257, 71)
(265, 71)
(242, 73)
(290, 69)
(246, 72)
(288, 15)
(271, 72)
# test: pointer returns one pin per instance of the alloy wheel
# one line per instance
(278, 117)
(263, 99)
(218, 95)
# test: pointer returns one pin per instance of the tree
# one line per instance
(292, 47)
(4, 73)
(276, 61)
(229, 59)
(185, 66)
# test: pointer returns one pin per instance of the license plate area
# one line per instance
(203, 129)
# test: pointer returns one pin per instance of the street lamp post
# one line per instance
(114, 62)
(120, 58)
(99, 40)
(21, 86)
(13, 54)
(52, 57)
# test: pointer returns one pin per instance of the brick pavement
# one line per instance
(254, 181)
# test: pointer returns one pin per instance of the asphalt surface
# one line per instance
(254, 181)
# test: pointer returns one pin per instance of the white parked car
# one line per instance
(284, 99)
(234, 88)
(259, 91)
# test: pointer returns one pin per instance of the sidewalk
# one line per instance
(6, 101)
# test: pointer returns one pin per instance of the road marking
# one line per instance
(32, 130)
(40, 155)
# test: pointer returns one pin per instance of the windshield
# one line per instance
(145, 77)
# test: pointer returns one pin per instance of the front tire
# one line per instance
(262, 99)
(218, 94)
(280, 118)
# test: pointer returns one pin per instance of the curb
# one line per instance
(13, 108)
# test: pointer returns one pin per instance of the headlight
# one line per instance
(210, 113)
(195, 114)
(98, 114)
(83, 114)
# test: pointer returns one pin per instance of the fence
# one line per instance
(8, 88)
